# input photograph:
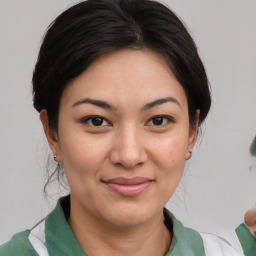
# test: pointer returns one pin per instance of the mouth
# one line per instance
(128, 187)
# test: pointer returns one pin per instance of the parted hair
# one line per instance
(91, 28)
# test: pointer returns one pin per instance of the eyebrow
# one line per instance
(159, 102)
(105, 105)
(99, 103)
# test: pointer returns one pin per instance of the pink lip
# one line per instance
(128, 187)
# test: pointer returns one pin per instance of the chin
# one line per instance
(128, 215)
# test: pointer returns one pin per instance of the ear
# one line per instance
(193, 135)
(51, 136)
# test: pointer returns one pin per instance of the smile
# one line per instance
(128, 187)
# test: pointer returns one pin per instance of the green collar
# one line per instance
(185, 241)
(61, 241)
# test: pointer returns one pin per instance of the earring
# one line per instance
(190, 152)
(54, 157)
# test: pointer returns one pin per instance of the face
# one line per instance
(123, 137)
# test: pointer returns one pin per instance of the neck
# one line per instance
(99, 238)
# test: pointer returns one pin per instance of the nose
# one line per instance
(128, 148)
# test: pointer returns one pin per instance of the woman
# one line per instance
(121, 93)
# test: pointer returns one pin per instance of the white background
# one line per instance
(220, 180)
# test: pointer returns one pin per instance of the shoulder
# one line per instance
(215, 245)
(190, 242)
(18, 245)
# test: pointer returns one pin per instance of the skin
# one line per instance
(127, 144)
(250, 221)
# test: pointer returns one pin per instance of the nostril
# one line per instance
(127, 161)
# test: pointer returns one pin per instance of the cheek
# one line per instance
(170, 150)
(170, 156)
(82, 160)
(82, 155)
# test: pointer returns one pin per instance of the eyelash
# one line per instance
(88, 119)
(167, 118)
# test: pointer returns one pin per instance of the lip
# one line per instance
(128, 187)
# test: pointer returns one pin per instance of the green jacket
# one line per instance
(54, 237)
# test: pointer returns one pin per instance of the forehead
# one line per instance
(124, 76)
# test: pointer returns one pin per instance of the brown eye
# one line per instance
(95, 121)
(159, 121)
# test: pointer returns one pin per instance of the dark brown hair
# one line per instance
(94, 27)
